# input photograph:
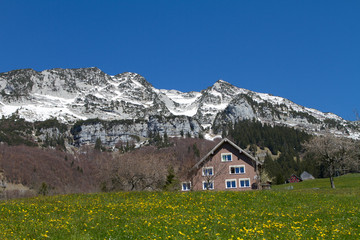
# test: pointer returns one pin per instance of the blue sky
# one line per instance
(305, 51)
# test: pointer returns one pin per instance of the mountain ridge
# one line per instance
(86, 93)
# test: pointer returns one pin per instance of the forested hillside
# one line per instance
(276, 138)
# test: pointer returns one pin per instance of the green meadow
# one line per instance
(310, 210)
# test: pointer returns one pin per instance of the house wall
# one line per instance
(221, 170)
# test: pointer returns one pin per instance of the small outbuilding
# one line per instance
(306, 176)
(294, 179)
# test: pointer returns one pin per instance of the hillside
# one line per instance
(346, 183)
(88, 169)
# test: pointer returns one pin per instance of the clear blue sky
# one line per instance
(306, 51)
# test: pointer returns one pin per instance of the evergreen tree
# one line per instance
(166, 139)
(98, 144)
(43, 190)
(171, 183)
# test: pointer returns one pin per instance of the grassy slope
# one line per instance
(301, 213)
(349, 182)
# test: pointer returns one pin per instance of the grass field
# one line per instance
(310, 211)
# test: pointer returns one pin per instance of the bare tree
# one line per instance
(210, 171)
(143, 169)
(333, 152)
(354, 162)
(209, 175)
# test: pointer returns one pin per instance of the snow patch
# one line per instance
(211, 137)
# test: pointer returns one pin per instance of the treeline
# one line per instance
(281, 168)
(277, 138)
(17, 131)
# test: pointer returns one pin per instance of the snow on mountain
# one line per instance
(264, 97)
(180, 103)
(74, 94)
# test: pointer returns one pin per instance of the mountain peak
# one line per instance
(223, 86)
(135, 77)
(222, 83)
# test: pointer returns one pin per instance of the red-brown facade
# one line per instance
(294, 179)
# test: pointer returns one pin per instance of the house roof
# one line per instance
(225, 140)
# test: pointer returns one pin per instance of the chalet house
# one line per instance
(225, 167)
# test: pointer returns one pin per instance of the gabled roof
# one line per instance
(225, 140)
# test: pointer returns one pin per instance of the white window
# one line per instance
(237, 169)
(230, 183)
(185, 186)
(226, 157)
(208, 171)
(208, 185)
(244, 182)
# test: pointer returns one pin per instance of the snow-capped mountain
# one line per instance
(79, 94)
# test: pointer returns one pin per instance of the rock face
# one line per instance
(112, 132)
(131, 106)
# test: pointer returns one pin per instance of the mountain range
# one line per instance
(126, 105)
